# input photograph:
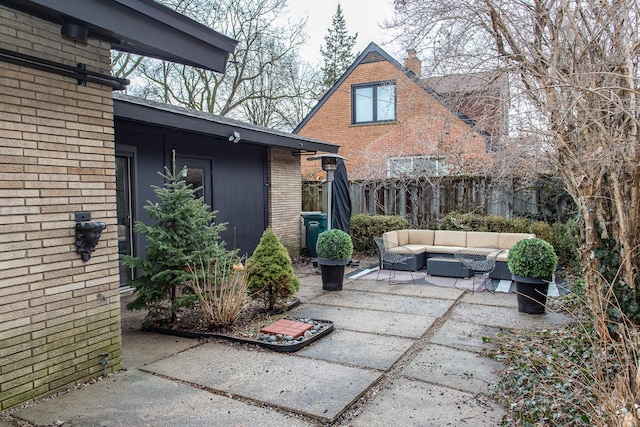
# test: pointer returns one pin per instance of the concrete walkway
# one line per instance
(400, 355)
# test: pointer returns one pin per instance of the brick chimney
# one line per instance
(412, 62)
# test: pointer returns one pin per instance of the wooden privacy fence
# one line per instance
(423, 202)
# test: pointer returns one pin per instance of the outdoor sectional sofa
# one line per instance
(442, 245)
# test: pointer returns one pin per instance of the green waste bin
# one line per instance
(314, 224)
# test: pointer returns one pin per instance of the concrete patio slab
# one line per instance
(134, 398)
(140, 348)
(372, 321)
(487, 298)
(454, 368)
(505, 317)
(386, 302)
(306, 386)
(310, 287)
(414, 403)
(409, 289)
(464, 335)
(358, 349)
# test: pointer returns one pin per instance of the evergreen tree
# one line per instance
(337, 52)
(183, 235)
(269, 271)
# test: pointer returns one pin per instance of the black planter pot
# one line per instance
(332, 274)
(532, 294)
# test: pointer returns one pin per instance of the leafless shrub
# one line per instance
(221, 290)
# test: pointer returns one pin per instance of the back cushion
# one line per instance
(481, 239)
(390, 239)
(403, 237)
(509, 239)
(421, 237)
(450, 238)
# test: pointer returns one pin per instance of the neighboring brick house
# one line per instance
(389, 122)
(481, 96)
(65, 145)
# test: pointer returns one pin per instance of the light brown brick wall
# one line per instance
(57, 313)
(424, 126)
(285, 198)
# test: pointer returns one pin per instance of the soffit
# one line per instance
(142, 27)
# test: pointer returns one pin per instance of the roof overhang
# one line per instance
(168, 116)
(142, 27)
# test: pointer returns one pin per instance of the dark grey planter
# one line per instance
(332, 271)
(531, 293)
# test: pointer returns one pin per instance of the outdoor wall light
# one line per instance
(75, 31)
(87, 234)
(234, 137)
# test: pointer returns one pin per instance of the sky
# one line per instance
(361, 16)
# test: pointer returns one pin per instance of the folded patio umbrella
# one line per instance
(341, 201)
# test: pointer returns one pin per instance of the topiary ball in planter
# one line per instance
(334, 249)
(334, 245)
(532, 263)
(532, 258)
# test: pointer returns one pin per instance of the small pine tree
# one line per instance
(183, 235)
(269, 272)
(337, 52)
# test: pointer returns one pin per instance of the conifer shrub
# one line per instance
(269, 272)
(183, 234)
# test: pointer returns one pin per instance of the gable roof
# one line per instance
(374, 53)
(140, 110)
(142, 27)
(494, 80)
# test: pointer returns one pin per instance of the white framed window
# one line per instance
(414, 166)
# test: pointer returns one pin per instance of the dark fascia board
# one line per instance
(139, 110)
(142, 27)
(410, 74)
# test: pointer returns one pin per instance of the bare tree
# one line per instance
(577, 62)
(263, 80)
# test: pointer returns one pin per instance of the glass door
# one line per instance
(124, 213)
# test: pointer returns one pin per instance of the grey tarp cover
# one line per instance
(341, 201)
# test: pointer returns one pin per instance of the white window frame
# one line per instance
(415, 166)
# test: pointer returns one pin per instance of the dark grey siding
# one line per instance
(238, 177)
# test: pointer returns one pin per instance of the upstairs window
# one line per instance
(374, 102)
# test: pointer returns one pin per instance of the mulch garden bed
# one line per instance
(191, 324)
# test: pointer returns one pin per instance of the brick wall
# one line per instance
(285, 198)
(424, 126)
(57, 313)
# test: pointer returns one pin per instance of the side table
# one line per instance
(478, 260)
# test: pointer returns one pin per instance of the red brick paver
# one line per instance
(287, 327)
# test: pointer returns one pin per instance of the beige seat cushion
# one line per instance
(450, 238)
(408, 249)
(443, 249)
(421, 237)
(502, 257)
(481, 239)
